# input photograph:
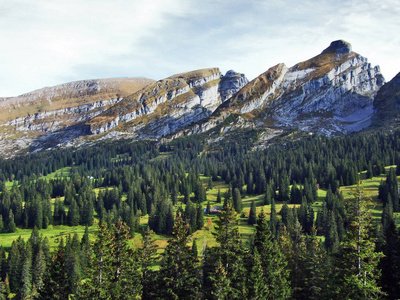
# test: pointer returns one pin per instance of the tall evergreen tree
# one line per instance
(390, 263)
(114, 272)
(55, 282)
(273, 263)
(231, 254)
(252, 214)
(147, 256)
(359, 261)
(178, 275)
(237, 200)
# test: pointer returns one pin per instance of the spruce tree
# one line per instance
(114, 270)
(199, 217)
(317, 266)
(273, 263)
(257, 286)
(219, 198)
(390, 263)
(26, 275)
(147, 256)
(55, 282)
(178, 275)
(237, 200)
(231, 253)
(359, 261)
(219, 281)
(252, 214)
(11, 227)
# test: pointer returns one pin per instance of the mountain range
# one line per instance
(334, 93)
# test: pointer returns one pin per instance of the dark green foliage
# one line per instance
(219, 198)
(114, 267)
(390, 263)
(147, 256)
(237, 200)
(157, 186)
(359, 261)
(55, 282)
(274, 283)
(226, 261)
(252, 214)
(178, 277)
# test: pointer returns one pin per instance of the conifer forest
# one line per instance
(193, 219)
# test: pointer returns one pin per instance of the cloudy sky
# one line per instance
(49, 42)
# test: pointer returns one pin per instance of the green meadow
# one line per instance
(204, 236)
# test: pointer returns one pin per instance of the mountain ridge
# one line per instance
(331, 93)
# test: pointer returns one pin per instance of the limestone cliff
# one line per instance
(167, 105)
(331, 93)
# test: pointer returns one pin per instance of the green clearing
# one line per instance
(204, 236)
(53, 233)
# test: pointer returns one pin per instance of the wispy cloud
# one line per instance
(49, 42)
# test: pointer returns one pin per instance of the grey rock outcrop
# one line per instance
(230, 84)
(173, 103)
(332, 93)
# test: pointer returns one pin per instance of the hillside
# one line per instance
(210, 199)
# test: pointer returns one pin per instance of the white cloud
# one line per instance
(50, 42)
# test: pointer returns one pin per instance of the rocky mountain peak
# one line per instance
(231, 83)
(339, 46)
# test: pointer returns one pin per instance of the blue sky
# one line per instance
(44, 43)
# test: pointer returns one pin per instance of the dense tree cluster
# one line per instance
(119, 182)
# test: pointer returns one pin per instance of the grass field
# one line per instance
(205, 236)
(53, 233)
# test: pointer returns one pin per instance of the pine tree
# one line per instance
(231, 253)
(390, 263)
(252, 214)
(219, 198)
(147, 256)
(55, 282)
(237, 200)
(114, 271)
(26, 276)
(199, 217)
(359, 272)
(273, 263)
(178, 276)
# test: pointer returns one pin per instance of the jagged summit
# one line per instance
(339, 46)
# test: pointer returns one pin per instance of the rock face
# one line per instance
(54, 115)
(230, 84)
(170, 104)
(387, 103)
(69, 95)
(331, 93)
